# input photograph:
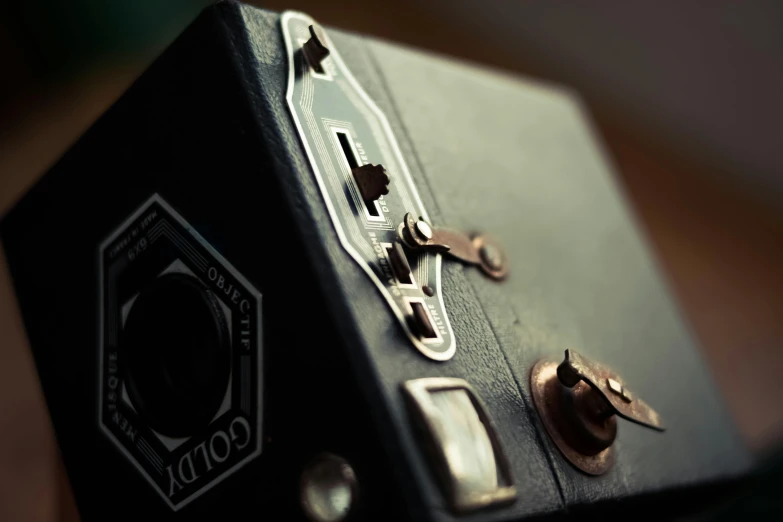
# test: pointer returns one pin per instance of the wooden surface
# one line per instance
(720, 248)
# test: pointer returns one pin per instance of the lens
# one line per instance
(176, 350)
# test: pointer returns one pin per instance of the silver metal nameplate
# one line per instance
(365, 183)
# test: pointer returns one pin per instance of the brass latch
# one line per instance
(578, 402)
(480, 250)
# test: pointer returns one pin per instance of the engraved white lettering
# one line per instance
(112, 396)
(362, 154)
(213, 448)
(383, 262)
(149, 219)
(234, 436)
(188, 461)
(208, 455)
(244, 333)
(123, 423)
(203, 448)
(437, 319)
(174, 484)
(233, 294)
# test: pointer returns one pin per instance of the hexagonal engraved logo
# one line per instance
(180, 355)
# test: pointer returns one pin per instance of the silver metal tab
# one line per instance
(464, 446)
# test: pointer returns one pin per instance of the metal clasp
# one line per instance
(579, 401)
(480, 250)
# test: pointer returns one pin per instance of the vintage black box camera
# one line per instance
(300, 274)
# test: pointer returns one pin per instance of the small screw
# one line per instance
(618, 389)
(491, 257)
(423, 228)
(328, 489)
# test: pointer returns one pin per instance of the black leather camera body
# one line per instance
(295, 273)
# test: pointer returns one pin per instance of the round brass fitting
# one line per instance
(579, 425)
(579, 402)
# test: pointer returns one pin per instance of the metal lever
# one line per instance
(608, 385)
(479, 250)
(578, 402)
(315, 49)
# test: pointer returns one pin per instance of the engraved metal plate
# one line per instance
(339, 124)
(152, 242)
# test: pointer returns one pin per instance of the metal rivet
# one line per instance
(491, 257)
(423, 228)
(328, 488)
(615, 386)
(618, 389)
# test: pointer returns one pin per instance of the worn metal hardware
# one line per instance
(315, 49)
(365, 183)
(494, 261)
(480, 250)
(399, 262)
(578, 402)
(576, 368)
(462, 443)
(328, 489)
(421, 321)
(372, 180)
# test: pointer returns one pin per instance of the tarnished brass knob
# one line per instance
(579, 402)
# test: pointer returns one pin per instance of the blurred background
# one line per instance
(687, 97)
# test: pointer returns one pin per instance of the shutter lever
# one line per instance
(480, 250)
(579, 401)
